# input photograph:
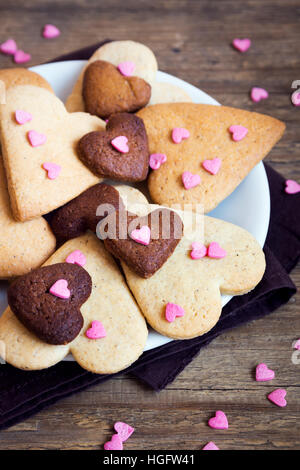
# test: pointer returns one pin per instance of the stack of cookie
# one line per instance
(121, 259)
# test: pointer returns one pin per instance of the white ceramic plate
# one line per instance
(248, 206)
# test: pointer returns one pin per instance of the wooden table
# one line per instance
(191, 40)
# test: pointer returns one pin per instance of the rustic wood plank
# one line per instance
(191, 39)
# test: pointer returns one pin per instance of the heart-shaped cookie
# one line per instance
(124, 430)
(19, 241)
(89, 208)
(196, 285)
(110, 303)
(48, 300)
(32, 193)
(20, 76)
(101, 81)
(105, 158)
(120, 52)
(145, 259)
(114, 444)
(80, 214)
(209, 139)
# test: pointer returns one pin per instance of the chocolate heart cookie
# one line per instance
(51, 318)
(146, 256)
(106, 91)
(101, 155)
(79, 215)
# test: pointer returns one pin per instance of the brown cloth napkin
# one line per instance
(24, 393)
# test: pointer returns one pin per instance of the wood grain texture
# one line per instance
(191, 40)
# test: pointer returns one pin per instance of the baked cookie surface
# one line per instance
(128, 162)
(22, 246)
(92, 206)
(116, 52)
(106, 91)
(209, 138)
(32, 192)
(48, 300)
(110, 302)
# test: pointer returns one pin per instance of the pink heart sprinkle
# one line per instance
(241, 45)
(173, 311)
(212, 166)
(126, 68)
(258, 94)
(141, 235)
(292, 187)
(120, 144)
(210, 446)
(60, 289)
(156, 160)
(219, 421)
(52, 169)
(215, 251)
(114, 444)
(263, 373)
(295, 98)
(198, 250)
(179, 133)
(96, 331)
(50, 31)
(76, 257)
(189, 180)
(124, 430)
(238, 132)
(297, 345)
(9, 47)
(277, 397)
(36, 139)
(21, 57)
(22, 116)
